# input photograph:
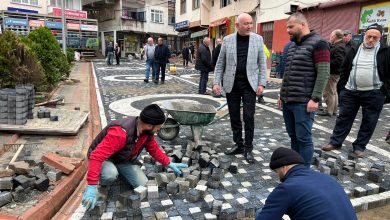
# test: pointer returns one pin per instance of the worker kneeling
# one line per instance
(116, 148)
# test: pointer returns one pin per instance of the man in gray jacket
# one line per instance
(241, 66)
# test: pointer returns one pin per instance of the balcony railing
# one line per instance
(131, 14)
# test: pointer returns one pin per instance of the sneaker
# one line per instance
(207, 93)
(146, 80)
(155, 81)
(162, 82)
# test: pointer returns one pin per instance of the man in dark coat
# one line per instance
(115, 151)
(349, 43)
(304, 193)
(203, 64)
(161, 56)
(216, 51)
(337, 54)
(185, 52)
(192, 49)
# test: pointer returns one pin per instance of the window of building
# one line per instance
(28, 2)
(171, 17)
(141, 16)
(183, 6)
(212, 3)
(225, 3)
(157, 16)
(268, 33)
(195, 4)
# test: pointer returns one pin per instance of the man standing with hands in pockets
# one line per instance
(242, 67)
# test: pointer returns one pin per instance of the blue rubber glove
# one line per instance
(176, 167)
(90, 197)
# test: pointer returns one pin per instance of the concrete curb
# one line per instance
(54, 201)
(94, 127)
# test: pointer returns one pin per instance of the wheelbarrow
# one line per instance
(186, 113)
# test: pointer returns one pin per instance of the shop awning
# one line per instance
(200, 33)
(219, 22)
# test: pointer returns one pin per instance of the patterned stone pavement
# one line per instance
(123, 92)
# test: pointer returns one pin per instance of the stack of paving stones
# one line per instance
(25, 178)
(216, 186)
(204, 190)
(16, 105)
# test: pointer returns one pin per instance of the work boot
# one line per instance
(323, 113)
(237, 149)
(329, 147)
(358, 153)
(249, 157)
(248, 154)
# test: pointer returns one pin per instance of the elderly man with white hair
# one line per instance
(241, 66)
(204, 65)
(149, 52)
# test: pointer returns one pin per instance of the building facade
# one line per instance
(351, 15)
(131, 22)
(213, 18)
(23, 16)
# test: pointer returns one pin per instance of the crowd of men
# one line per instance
(348, 75)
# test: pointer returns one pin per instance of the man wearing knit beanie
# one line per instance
(304, 193)
(116, 149)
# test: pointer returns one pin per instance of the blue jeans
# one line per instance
(150, 63)
(132, 173)
(110, 58)
(299, 123)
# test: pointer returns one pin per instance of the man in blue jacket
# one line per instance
(304, 193)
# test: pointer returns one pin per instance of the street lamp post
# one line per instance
(63, 19)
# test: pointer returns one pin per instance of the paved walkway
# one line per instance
(123, 92)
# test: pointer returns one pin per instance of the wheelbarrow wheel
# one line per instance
(170, 130)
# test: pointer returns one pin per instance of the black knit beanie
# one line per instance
(375, 26)
(284, 156)
(152, 114)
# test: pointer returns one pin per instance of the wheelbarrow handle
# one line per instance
(220, 107)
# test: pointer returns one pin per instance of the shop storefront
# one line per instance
(376, 13)
(222, 27)
(81, 32)
(198, 36)
(183, 32)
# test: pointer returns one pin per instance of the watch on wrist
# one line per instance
(316, 100)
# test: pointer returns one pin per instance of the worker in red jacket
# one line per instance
(116, 148)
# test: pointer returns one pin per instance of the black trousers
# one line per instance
(185, 62)
(349, 104)
(242, 90)
(117, 57)
(160, 67)
(204, 78)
